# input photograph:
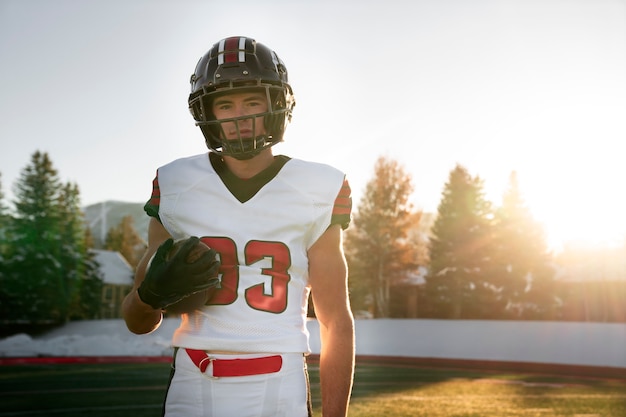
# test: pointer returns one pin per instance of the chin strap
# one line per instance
(244, 149)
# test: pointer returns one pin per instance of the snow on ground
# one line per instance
(92, 338)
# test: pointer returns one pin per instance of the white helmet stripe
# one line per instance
(275, 59)
(242, 49)
(220, 52)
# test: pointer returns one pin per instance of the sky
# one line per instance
(532, 86)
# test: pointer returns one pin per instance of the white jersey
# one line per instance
(262, 236)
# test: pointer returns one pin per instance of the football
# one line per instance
(194, 301)
(195, 253)
(189, 304)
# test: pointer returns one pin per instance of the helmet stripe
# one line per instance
(242, 49)
(275, 59)
(231, 50)
(230, 54)
(220, 52)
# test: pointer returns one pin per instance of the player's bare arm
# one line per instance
(140, 317)
(328, 278)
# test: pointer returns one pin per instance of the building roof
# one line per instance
(115, 269)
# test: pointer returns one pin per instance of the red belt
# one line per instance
(236, 367)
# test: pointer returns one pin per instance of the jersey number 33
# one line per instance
(279, 258)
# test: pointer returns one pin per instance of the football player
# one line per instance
(275, 226)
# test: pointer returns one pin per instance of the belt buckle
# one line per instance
(208, 366)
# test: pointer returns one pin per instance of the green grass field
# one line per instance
(136, 389)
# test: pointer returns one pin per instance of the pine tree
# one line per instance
(125, 239)
(47, 258)
(83, 283)
(5, 220)
(4, 267)
(35, 272)
(71, 256)
(88, 304)
(378, 247)
(458, 282)
(3, 208)
(522, 260)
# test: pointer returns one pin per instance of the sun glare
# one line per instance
(570, 172)
(583, 217)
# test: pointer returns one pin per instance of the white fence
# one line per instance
(567, 343)
(557, 343)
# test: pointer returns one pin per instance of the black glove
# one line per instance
(169, 280)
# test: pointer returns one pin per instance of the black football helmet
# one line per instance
(240, 64)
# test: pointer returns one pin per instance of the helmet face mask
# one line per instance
(241, 65)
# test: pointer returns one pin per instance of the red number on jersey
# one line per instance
(227, 293)
(255, 251)
(278, 253)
